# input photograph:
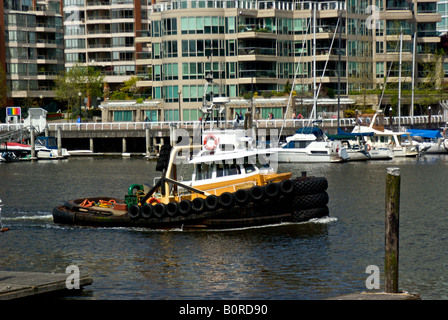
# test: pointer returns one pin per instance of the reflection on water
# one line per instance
(312, 260)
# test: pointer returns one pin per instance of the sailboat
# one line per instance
(310, 144)
(358, 148)
(399, 141)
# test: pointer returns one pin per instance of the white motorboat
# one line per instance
(311, 145)
(432, 140)
(14, 151)
(358, 149)
(46, 148)
(392, 140)
(385, 138)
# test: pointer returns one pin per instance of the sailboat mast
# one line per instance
(413, 78)
(339, 65)
(314, 61)
(399, 81)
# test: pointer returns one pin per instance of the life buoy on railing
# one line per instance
(211, 142)
(368, 147)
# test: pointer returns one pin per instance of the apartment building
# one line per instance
(101, 33)
(33, 49)
(442, 9)
(258, 46)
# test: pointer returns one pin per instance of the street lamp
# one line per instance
(429, 115)
(390, 117)
(79, 95)
(180, 114)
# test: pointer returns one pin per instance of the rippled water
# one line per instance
(312, 260)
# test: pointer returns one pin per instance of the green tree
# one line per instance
(431, 89)
(77, 82)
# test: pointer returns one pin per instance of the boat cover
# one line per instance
(431, 134)
(311, 130)
(342, 135)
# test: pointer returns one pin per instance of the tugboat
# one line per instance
(232, 185)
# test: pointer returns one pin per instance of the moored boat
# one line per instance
(311, 145)
(228, 189)
(358, 148)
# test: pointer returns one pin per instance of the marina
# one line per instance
(312, 260)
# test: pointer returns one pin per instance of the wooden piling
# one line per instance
(393, 180)
(59, 138)
(33, 144)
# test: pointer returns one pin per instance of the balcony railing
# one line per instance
(256, 50)
(258, 74)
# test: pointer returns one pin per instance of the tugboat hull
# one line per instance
(297, 200)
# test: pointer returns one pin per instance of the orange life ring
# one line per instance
(152, 200)
(213, 144)
(368, 147)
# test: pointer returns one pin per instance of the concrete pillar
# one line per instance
(91, 144)
(124, 145)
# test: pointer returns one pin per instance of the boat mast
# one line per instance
(399, 81)
(339, 65)
(413, 79)
(314, 62)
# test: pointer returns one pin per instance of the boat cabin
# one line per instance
(228, 168)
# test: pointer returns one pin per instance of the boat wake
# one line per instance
(29, 217)
(323, 220)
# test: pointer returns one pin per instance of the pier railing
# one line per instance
(264, 123)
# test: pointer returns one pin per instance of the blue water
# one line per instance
(306, 261)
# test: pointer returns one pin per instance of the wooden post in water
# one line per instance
(148, 141)
(59, 133)
(392, 229)
(33, 144)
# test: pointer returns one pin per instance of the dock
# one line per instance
(16, 285)
(378, 296)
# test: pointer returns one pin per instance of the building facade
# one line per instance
(33, 54)
(101, 33)
(260, 46)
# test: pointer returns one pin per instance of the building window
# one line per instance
(156, 51)
(151, 114)
(169, 49)
(170, 71)
(157, 92)
(380, 69)
(122, 116)
(379, 47)
(190, 114)
(192, 70)
(171, 94)
(169, 26)
(171, 115)
(276, 112)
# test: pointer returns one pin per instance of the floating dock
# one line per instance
(15, 285)
(378, 296)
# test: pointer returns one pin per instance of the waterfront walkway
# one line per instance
(436, 120)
